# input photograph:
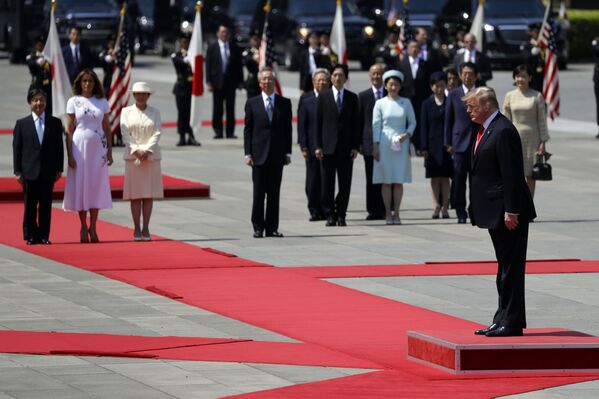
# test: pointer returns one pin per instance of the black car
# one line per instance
(20, 23)
(97, 19)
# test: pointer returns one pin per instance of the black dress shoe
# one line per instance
(232, 137)
(331, 222)
(461, 220)
(45, 241)
(505, 332)
(274, 234)
(484, 331)
(192, 141)
(374, 217)
(258, 234)
(32, 241)
(181, 143)
(315, 218)
(341, 222)
(218, 136)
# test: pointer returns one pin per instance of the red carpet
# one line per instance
(445, 269)
(342, 320)
(11, 190)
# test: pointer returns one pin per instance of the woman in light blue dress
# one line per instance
(393, 123)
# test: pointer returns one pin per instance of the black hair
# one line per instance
(470, 65)
(437, 77)
(34, 92)
(521, 68)
(341, 66)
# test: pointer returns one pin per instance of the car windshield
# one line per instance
(425, 7)
(242, 7)
(146, 8)
(514, 9)
(319, 7)
(96, 6)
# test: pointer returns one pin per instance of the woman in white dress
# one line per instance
(140, 127)
(89, 152)
(393, 123)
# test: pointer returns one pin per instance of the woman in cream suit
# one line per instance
(140, 127)
(525, 108)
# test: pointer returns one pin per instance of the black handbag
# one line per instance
(541, 170)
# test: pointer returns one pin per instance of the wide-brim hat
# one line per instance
(141, 87)
(393, 74)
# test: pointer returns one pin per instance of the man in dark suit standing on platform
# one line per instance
(337, 143)
(76, 54)
(182, 92)
(267, 143)
(415, 85)
(501, 202)
(459, 132)
(224, 75)
(470, 54)
(427, 52)
(306, 131)
(38, 158)
(374, 199)
(311, 60)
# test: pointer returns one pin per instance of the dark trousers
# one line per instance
(38, 208)
(183, 115)
(341, 164)
(374, 197)
(267, 185)
(220, 96)
(510, 250)
(314, 186)
(461, 162)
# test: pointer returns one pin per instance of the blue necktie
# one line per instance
(339, 103)
(39, 127)
(269, 108)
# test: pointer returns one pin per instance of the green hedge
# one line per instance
(584, 26)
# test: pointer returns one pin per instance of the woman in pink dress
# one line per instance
(89, 153)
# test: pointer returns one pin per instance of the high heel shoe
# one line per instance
(84, 236)
(436, 212)
(93, 236)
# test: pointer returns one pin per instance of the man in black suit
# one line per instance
(415, 85)
(311, 59)
(470, 54)
(182, 92)
(427, 52)
(459, 133)
(38, 158)
(224, 75)
(374, 199)
(76, 54)
(306, 131)
(501, 202)
(337, 143)
(267, 143)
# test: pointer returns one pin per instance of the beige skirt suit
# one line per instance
(141, 130)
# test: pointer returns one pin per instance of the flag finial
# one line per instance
(53, 5)
(405, 2)
(123, 8)
(198, 6)
(339, 2)
(267, 7)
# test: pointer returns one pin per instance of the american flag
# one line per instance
(550, 80)
(405, 32)
(118, 97)
(267, 51)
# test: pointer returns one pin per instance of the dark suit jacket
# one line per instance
(306, 122)
(32, 160)
(184, 73)
(338, 130)
(86, 60)
(483, 65)
(322, 61)
(214, 67)
(497, 183)
(432, 124)
(415, 89)
(433, 59)
(459, 129)
(366, 99)
(265, 140)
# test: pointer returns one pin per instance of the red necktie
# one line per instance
(479, 136)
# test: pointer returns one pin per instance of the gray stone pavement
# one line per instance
(40, 295)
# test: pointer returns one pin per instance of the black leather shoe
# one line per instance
(505, 332)
(484, 331)
(45, 241)
(374, 217)
(461, 220)
(274, 234)
(192, 141)
(232, 137)
(32, 241)
(257, 233)
(218, 136)
(341, 222)
(181, 143)
(315, 218)
(331, 222)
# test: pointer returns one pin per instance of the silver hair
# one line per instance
(321, 70)
(266, 69)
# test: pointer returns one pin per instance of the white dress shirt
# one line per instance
(470, 56)
(337, 93)
(414, 64)
(311, 60)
